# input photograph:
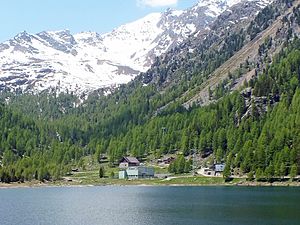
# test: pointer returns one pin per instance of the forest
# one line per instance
(256, 132)
(259, 140)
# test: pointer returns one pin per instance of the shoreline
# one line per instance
(145, 184)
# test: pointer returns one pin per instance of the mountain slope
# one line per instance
(88, 61)
(181, 73)
(249, 53)
(254, 130)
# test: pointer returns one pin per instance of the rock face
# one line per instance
(88, 61)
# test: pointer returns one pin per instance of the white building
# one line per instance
(136, 172)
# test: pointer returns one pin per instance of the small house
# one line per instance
(214, 170)
(165, 160)
(128, 162)
(219, 168)
(208, 171)
(168, 160)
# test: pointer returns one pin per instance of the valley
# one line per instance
(219, 80)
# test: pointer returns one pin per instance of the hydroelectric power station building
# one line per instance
(130, 168)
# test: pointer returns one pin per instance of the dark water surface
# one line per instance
(150, 205)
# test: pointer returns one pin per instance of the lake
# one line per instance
(149, 205)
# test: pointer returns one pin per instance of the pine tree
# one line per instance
(101, 172)
(282, 170)
(294, 171)
(180, 164)
(250, 176)
(227, 172)
(188, 166)
(259, 174)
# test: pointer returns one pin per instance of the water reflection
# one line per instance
(150, 205)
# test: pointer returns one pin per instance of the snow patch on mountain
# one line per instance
(88, 61)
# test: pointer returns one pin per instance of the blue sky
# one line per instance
(76, 15)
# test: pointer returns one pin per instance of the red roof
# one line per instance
(130, 159)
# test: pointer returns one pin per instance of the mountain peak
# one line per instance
(23, 36)
(88, 61)
(172, 12)
(88, 37)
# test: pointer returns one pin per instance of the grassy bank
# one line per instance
(92, 178)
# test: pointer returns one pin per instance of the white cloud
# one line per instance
(156, 3)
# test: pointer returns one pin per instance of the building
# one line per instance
(165, 160)
(219, 168)
(214, 170)
(122, 174)
(136, 172)
(128, 162)
(207, 171)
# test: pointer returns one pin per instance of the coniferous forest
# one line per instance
(261, 140)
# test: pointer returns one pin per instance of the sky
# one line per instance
(100, 16)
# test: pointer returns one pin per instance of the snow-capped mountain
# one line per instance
(88, 61)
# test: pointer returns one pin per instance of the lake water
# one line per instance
(150, 205)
